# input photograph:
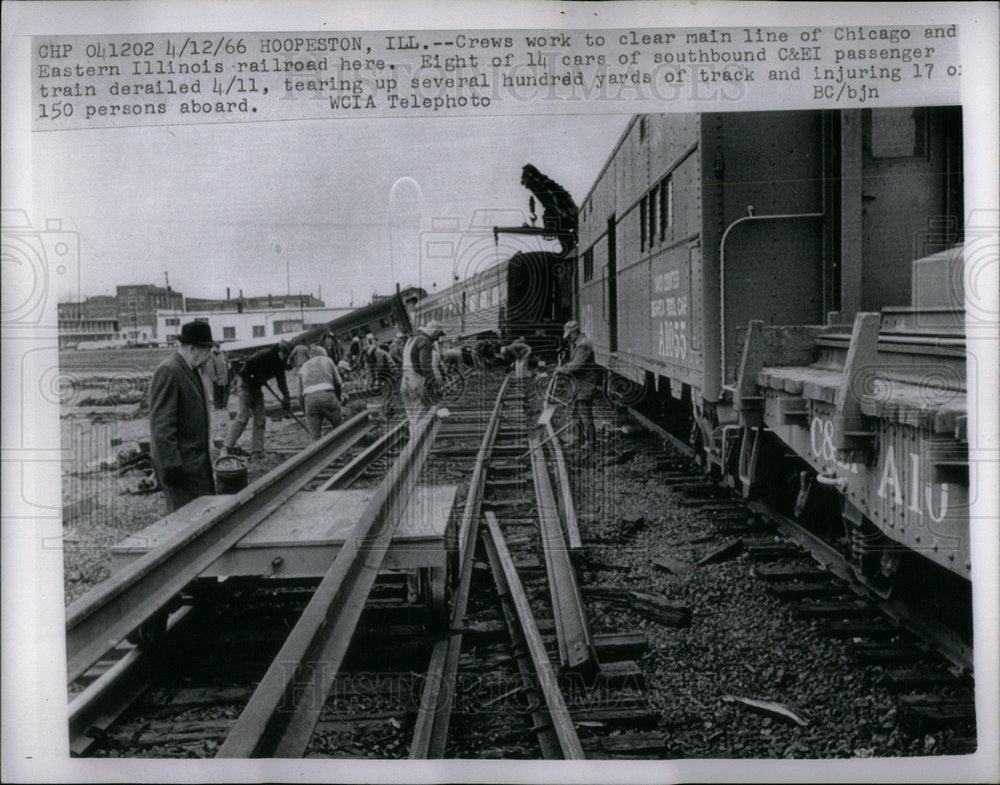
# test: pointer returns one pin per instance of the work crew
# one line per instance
(383, 379)
(367, 357)
(333, 348)
(321, 392)
(471, 357)
(584, 374)
(452, 361)
(396, 351)
(264, 365)
(299, 356)
(418, 368)
(217, 371)
(179, 419)
(520, 351)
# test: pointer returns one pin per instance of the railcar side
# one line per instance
(529, 295)
(798, 222)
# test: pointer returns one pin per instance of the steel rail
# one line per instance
(103, 617)
(360, 464)
(282, 714)
(948, 643)
(565, 492)
(542, 726)
(576, 648)
(114, 691)
(430, 732)
(562, 722)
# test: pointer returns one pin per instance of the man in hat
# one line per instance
(298, 356)
(584, 374)
(179, 419)
(264, 365)
(418, 368)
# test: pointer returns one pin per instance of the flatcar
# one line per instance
(528, 295)
(822, 229)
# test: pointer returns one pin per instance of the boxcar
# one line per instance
(698, 224)
(781, 288)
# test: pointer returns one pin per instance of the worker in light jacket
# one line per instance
(321, 392)
(418, 370)
(520, 351)
(217, 371)
(584, 375)
(179, 419)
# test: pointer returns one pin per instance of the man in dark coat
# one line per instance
(179, 419)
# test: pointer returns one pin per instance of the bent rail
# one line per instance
(284, 709)
(431, 730)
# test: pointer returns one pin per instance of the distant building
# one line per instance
(231, 325)
(93, 319)
(137, 307)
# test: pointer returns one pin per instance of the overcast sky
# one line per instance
(310, 204)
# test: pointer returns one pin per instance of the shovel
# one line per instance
(289, 409)
(550, 404)
(543, 441)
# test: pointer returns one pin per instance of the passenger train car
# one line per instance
(529, 295)
(769, 285)
(383, 318)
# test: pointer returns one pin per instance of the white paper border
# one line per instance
(33, 705)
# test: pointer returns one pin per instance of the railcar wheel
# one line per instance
(872, 556)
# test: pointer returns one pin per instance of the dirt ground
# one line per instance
(102, 507)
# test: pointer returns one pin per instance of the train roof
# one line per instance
(435, 298)
(597, 178)
(358, 316)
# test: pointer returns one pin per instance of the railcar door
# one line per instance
(612, 281)
(909, 203)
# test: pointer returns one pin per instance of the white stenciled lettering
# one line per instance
(928, 498)
(890, 476)
(673, 338)
(915, 483)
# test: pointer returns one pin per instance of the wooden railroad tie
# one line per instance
(905, 679)
(832, 610)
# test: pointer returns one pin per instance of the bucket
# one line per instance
(230, 474)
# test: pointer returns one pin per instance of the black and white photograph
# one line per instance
(515, 392)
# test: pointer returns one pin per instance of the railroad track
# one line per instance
(926, 663)
(529, 679)
(269, 663)
(156, 600)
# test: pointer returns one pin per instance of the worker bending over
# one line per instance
(267, 364)
(322, 392)
(520, 351)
